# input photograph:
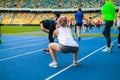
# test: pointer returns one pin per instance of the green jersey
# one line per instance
(108, 11)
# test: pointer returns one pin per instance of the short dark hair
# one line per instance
(79, 9)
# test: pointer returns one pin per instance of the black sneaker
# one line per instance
(118, 46)
(0, 41)
(79, 38)
(46, 51)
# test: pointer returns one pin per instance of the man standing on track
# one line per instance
(108, 11)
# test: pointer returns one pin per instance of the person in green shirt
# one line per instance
(109, 14)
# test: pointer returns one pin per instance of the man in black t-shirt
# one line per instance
(48, 26)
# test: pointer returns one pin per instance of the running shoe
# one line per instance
(75, 64)
(106, 50)
(79, 38)
(118, 45)
(53, 64)
(46, 51)
(111, 46)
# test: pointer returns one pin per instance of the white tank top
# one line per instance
(65, 37)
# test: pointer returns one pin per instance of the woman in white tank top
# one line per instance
(66, 42)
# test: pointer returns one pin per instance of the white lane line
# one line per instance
(21, 46)
(27, 53)
(87, 38)
(64, 69)
(22, 41)
(19, 38)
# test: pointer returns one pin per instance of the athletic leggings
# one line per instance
(106, 32)
(119, 35)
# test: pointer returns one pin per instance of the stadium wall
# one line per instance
(51, 10)
(20, 24)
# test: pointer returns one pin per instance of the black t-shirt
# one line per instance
(48, 24)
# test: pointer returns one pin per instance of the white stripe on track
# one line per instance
(88, 38)
(21, 46)
(22, 41)
(27, 53)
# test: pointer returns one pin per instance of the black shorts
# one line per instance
(79, 24)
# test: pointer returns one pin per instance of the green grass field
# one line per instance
(20, 30)
(23, 30)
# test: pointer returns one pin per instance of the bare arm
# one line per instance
(44, 29)
(55, 33)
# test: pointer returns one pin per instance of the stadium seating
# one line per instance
(54, 3)
(36, 17)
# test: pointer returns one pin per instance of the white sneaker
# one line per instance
(53, 64)
(118, 45)
(111, 46)
(75, 64)
(106, 50)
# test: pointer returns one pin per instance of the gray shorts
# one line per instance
(67, 49)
